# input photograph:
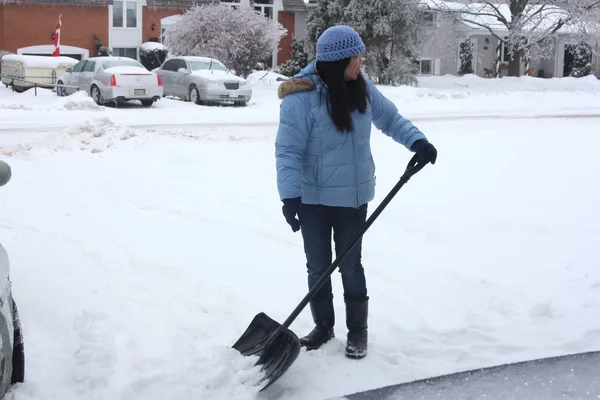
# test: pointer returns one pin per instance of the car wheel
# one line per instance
(194, 95)
(18, 359)
(96, 95)
(6, 346)
(147, 103)
(60, 91)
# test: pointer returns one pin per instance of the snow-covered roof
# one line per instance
(41, 61)
(478, 16)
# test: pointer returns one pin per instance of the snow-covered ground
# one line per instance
(144, 241)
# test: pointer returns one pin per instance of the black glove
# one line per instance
(290, 208)
(425, 151)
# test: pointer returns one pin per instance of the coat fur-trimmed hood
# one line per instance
(294, 85)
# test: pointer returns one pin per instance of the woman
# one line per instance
(325, 171)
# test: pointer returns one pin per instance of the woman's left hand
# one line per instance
(425, 150)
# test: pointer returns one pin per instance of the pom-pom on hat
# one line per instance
(339, 42)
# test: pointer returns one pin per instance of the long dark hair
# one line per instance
(343, 97)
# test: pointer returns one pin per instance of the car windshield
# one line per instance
(200, 65)
(121, 63)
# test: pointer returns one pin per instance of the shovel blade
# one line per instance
(276, 353)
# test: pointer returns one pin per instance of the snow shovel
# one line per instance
(275, 344)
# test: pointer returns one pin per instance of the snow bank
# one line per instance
(41, 61)
(473, 83)
(78, 101)
(93, 136)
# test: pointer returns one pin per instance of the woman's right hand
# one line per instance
(290, 208)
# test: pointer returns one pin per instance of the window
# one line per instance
(179, 64)
(427, 18)
(89, 67)
(425, 66)
(130, 16)
(215, 65)
(264, 8)
(125, 52)
(120, 63)
(79, 66)
(170, 65)
(118, 13)
(233, 3)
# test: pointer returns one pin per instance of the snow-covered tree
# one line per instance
(298, 60)
(582, 63)
(152, 55)
(327, 14)
(466, 57)
(529, 24)
(238, 37)
(391, 30)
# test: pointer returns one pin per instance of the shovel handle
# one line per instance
(412, 168)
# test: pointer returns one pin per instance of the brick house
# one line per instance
(27, 26)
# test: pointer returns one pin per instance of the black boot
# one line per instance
(356, 322)
(324, 318)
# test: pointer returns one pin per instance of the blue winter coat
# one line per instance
(321, 164)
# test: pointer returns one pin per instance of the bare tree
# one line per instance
(524, 27)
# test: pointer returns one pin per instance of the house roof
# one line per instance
(294, 5)
(177, 3)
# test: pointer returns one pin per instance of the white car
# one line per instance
(112, 79)
(203, 80)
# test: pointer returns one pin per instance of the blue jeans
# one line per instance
(317, 224)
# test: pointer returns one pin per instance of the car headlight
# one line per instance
(213, 84)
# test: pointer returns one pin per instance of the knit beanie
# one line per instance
(339, 42)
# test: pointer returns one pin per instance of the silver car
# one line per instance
(112, 79)
(203, 80)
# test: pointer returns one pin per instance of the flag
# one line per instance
(57, 38)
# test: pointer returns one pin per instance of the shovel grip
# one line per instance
(412, 168)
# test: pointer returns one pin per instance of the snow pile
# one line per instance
(151, 46)
(78, 101)
(473, 83)
(94, 136)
